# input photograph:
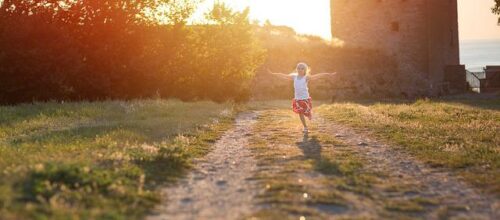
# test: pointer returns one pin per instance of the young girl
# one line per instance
(302, 101)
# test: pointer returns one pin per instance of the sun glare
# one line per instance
(305, 16)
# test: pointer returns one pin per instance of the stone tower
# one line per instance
(420, 35)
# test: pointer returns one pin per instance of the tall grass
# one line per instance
(459, 135)
(101, 160)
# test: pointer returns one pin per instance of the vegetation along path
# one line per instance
(265, 168)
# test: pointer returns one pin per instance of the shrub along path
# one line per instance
(265, 168)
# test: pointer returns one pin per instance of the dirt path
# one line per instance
(220, 186)
(444, 195)
(265, 168)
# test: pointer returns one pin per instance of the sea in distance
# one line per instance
(477, 54)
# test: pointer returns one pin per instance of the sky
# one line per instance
(475, 18)
(305, 16)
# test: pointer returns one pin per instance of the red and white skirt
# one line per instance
(303, 107)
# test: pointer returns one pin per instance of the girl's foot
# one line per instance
(305, 130)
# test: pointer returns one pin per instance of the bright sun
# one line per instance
(305, 16)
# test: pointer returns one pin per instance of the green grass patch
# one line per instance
(426, 201)
(458, 134)
(344, 167)
(100, 160)
(403, 206)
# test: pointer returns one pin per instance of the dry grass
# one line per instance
(103, 160)
(461, 135)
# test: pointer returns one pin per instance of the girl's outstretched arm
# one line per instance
(321, 75)
(281, 75)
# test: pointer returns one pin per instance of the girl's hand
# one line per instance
(280, 75)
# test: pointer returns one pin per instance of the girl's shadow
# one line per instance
(311, 147)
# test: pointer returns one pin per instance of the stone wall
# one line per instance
(443, 39)
(492, 75)
(421, 36)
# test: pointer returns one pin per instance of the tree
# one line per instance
(123, 49)
(226, 54)
(87, 49)
(496, 9)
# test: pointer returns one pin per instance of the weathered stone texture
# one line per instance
(420, 35)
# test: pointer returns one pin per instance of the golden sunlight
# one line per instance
(305, 16)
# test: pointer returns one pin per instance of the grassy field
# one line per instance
(102, 160)
(462, 135)
(108, 160)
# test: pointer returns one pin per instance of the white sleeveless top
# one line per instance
(300, 86)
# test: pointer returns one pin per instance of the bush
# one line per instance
(91, 50)
(226, 56)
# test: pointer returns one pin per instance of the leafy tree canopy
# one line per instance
(496, 9)
(91, 12)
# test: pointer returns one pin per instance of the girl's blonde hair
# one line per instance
(303, 66)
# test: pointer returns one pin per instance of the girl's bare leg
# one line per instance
(303, 120)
